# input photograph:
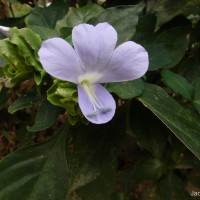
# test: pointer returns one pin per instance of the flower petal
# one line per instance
(5, 30)
(128, 62)
(60, 60)
(94, 44)
(100, 115)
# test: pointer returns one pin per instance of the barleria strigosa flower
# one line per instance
(92, 61)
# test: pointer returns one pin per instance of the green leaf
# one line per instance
(119, 18)
(196, 97)
(93, 158)
(77, 16)
(47, 16)
(3, 98)
(171, 187)
(149, 169)
(36, 172)
(64, 94)
(165, 10)
(128, 89)
(10, 53)
(145, 30)
(190, 68)
(178, 84)
(46, 116)
(182, 123)
(168, 48)
(81, 159)
(24, 101)
(27, 44)
(65, 32)
(153, 136)
(44, 32)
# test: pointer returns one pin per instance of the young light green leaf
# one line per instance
(174, 116)
(178, 84)
(10, 53)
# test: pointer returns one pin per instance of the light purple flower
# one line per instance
(5, 30)
(92, 61)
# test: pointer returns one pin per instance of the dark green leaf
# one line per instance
(47, 16)
(171, 187)
(145, 30)
(65, 32)
(77, 16)
(3, 98)
(119, 18)
(181, 122)
(153, 136)
(168, 48)
(46, 116)
(23, 102)
(178, 84)
(165, 10)
(93, 158)
(190, 68)
(196, 97)
(127, 90)
(44, 32)
(36, 172)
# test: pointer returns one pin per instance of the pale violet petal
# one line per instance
(59, 59)
(129, 61)
(100, 115)
(94, 45)
(5, 30)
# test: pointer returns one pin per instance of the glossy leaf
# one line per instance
(119, 18)
(178, 84)
(46, 116)
(127, 90)
(174, 116)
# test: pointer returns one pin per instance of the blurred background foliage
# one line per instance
(150, 150)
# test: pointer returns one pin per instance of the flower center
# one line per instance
(90, 78)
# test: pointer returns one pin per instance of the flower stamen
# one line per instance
(89, 90)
